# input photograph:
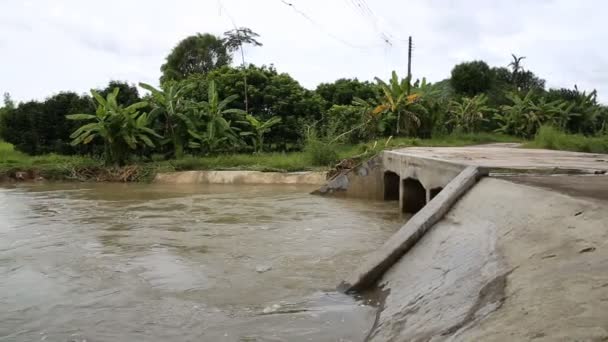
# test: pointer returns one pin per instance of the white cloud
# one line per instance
(46, 47)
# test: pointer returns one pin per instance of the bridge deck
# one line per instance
(506, 156)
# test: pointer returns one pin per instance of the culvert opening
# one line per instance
(435, 191)
(414, 196)
(391, 186)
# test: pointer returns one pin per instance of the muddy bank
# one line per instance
(508, 262)
(240, 177)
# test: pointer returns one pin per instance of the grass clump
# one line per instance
(321, 153)
(552, 138)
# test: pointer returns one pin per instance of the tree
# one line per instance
(127, 94)
(234, 40)
(214, 130)
(8, 106)
(395, 101)
(587, 116)
(525, 115)
(176, 111)
(471, 78)
(343, 91)
(200, 54)
(120, 128)
(516, 67)
(41, 127)
(270, 94)
(260, 128)
(527, 80)
(468, 114)
(8, 101)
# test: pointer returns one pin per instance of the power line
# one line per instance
(366, 13)
(322, 28)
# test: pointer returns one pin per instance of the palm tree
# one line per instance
(516, 66)
(176, 110)
(214, 129)
(120, 128)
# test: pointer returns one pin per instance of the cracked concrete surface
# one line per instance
(509, 262)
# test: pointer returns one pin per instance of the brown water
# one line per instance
(115, 262)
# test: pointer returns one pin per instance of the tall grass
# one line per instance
(551, 138)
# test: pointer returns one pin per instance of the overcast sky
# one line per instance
(50, 46)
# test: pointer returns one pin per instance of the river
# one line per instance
(145, 262)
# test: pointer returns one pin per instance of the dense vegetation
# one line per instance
(206, 108)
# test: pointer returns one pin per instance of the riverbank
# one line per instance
(17, 166)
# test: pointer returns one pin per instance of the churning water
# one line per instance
(134, 262)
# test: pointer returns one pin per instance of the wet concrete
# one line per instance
(132, 262)
(509, 262)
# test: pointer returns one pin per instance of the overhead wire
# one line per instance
(322, 28)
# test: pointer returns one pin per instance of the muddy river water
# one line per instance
(118, 262)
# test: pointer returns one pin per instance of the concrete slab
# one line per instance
(500, 156)
(509, 262)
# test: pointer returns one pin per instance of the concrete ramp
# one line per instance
(509, 262)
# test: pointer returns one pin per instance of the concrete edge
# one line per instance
(241, 177)
(379, 261)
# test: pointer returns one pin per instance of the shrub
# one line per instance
(554, 139)
(321, 153)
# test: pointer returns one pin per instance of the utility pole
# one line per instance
(409, 65)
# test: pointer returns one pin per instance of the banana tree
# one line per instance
(177, 112)
(526, 114)
(213, 128)
(467, 114)
(398, 103)
(260, 128)
(120, 128)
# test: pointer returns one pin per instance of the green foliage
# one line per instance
(211, 130)
(471, 78)
(401, 109)
(344, 91)
(345, 118)
(41, 127)
(8, 103)
(525, 115)
(127, 93)
(269, 94)
(176, 113)
(235, 39)
(587, 116)
(260, 128)
(552, 138)
(321, 153)
(468, 114)
(198, 54)
(120, 128)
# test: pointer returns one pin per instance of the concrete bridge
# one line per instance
(414, 176)
(497, 234)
